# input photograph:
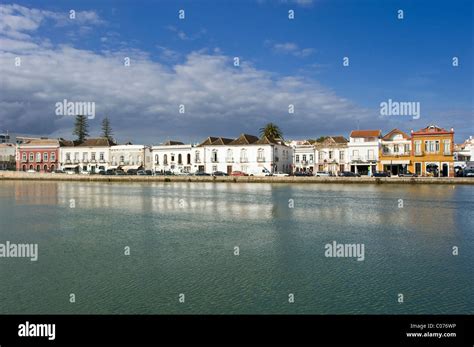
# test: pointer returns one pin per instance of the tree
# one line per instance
(81, 128)
(271, 131)
(107, 129)
(321, 139)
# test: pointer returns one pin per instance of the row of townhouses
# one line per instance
(428, 151)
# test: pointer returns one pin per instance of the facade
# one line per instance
(90, 156)
(333, 155)
(7, 156)
(464, 154)
(173, 156)
(432, 149)
(247, 153)
(304, 154)
(39, 154)
(363, 149)
(395, 153)
(5, 138)
(130, 157)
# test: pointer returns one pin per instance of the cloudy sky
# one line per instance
(190, 62)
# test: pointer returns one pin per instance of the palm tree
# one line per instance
(272, 131)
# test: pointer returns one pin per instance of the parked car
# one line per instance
(259, 172)
(102, 172)
(58, 171)
(31, 171)
(219, 173)
(407, 174)
(201, 173)
(120, 173)
(322, 174)
(132, 172)
(238, 173)
(141, 173)
(149, 172)
(110, 172)
(281, 174)
(349, 174)
(71, 172)
(303, 174)
(381, 174)
(468, 172)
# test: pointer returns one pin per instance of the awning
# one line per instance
(70, 166)
(130, 167)
(395, 162)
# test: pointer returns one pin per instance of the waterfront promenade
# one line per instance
(15, 175)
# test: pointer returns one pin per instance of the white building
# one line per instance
(7, 156)
(173, 156)
(247, 153)
(92, 155)
(333, 155)
(130, 157)
(464, 154)
(364, 151)
(304, 155)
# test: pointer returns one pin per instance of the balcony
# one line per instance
(93, 161)
(85, 161)
(304, 162)
(244, 160)
(260, 159)
(76, 161)
(214, 160)
(447, 153)
(68, 161)
(101, 161)
(229, 160)
(197, 160)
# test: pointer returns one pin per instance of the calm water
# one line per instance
(182, 238)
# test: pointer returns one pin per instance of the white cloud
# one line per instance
(142, 100)
(291, 48)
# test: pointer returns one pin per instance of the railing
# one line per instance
(68, 161)
(260, 159)
(214, 160)
(244, 160)
(229, 160)
(101, 161)
(76, 161)
(93, 161)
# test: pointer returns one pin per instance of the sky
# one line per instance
(190, 62)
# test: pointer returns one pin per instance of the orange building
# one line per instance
(432, 151)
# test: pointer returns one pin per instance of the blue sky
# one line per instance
(283, 61)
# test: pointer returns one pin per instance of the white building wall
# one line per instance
(84, 157)
(167, 158)
(131, 155)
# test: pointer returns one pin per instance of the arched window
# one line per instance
(157, 159)
(243, 155)
(229, 156)
(31, 167)
(45, 168)
(24, 167)
(260, 155)
(38, 168)
(165, 159)
(180, 158)
(214, 156)
(122, 158)
(52, 168)
(189, 158)
(32, 157)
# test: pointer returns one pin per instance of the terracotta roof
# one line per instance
(244, 139)
(222, 141)
(96, 142)
(172, 143)
(433, 130)
(40, 142)
(267, 141)
(339, 139)
(365, 133)
(396, 131)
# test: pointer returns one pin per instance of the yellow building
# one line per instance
(395, 153)
(432, 151)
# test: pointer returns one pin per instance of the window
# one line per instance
(32, 156)
(76, 156)
(355, 154)
(101, 156)
(214, 156)
(53, 157)
(68, 156)
(311, 158)
(320, 155)
(407, 148)
(45, 156)
(418, 147)
(370, 154)
(93, 156)
(188, 158)
(85, 156)
(38, 157)
(395, 149)
(172, 157)
(261, 156)
(304, 157)
(243, 155)
(165, 159)
(23, 157)
(297, 158)
(214, 168)
(341, 155)
(122, 158)
(180, 159)
(331, 154)
(229, 155)
(432, 146)
(197, 157)
(157, 159)
(447, 147)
